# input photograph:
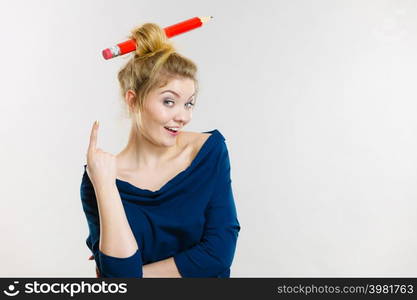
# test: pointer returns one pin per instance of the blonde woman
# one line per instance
(163, 206)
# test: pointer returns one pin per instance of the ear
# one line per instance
(130, 98)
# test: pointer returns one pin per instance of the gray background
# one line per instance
(316, 99)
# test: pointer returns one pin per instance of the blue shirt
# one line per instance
(192, 218)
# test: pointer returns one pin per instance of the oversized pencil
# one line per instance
(170, 31)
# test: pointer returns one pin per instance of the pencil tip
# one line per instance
(205, 19)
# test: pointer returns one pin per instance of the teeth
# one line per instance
(175, 129)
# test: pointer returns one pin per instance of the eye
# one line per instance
(167, 101)
(191, 104)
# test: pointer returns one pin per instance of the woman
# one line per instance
(163, 206)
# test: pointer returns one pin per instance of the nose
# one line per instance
(183, 116)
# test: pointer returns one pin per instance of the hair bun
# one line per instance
(150, 39)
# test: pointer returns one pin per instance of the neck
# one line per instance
(141, 152)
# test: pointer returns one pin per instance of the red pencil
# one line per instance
(170, 31)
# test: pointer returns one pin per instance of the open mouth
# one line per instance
(171, 130)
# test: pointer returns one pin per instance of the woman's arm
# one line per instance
(165, 268)
(116, 237)
(213, 255)
(119, 253)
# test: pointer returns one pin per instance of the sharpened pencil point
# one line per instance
(206, 19)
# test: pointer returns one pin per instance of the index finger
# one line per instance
(93, 137)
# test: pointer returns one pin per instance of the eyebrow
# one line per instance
(171, 91)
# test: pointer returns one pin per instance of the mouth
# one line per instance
(172, 131)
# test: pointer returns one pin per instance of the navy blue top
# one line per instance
(192, 218)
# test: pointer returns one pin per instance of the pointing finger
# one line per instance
(93, 137)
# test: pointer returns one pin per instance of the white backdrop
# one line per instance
(316, 99)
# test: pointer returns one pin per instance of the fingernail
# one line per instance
(96, 122)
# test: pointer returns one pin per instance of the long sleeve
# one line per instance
(213, 255)
(109, 266)
(115, 267)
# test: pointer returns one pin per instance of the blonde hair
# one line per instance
(154, 64)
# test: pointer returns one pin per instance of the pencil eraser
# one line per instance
(107, 53)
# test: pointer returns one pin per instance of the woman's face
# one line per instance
(169, 106)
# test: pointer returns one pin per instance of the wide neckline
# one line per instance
(173, 180)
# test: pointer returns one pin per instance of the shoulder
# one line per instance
(192, 136)
(214, 142)
(197, 139)
(194, 140)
